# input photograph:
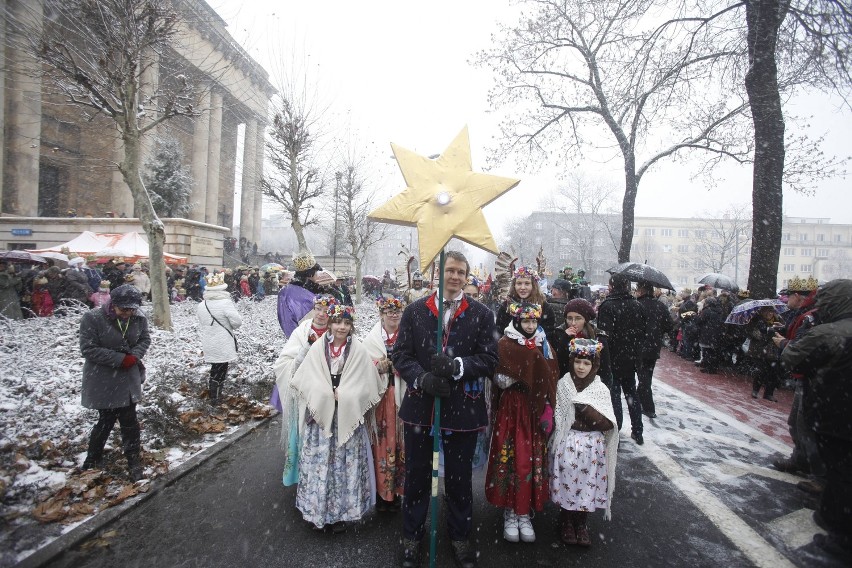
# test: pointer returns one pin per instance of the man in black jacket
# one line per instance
(659, 323)
(457, 376)
(624, 321)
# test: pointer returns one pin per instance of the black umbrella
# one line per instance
(717, 280)
(638, 272)
(22, 257)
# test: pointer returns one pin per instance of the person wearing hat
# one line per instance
(142, 281)
(40, 298)
(10, 291)
(297, 298)
(417, 290)
(560, 293)
(101, 297)
(113, 340)
(658, 324)
(114, 272)
(218, 320)
(77, 289)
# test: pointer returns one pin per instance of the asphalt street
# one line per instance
(700, 493)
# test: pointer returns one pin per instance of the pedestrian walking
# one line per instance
(658, 324)
(218, 320)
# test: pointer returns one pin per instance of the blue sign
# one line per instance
(22, 232)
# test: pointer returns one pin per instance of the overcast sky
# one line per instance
(399, 72)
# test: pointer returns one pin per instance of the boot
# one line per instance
(92, 462)
(567, 533)
(583, 537)
(135, 470)
(214, 390)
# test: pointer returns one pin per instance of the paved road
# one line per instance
(699, 493)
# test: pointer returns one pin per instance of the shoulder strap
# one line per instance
(231, 333)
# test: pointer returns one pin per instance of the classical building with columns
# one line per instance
(57, 160)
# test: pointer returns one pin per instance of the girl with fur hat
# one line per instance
(101, 297)
(584, 445)
(338, 384)
(517, 465)
(218, 320)
(524, 288)
(388, 443)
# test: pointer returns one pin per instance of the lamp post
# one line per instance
(337, 176)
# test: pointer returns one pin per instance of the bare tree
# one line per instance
(571, 70)
(355, 203)
(95, 53)
(723, 237)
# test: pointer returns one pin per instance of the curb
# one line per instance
(86, 529)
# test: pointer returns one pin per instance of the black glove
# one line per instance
(435, 385)
(444, 366)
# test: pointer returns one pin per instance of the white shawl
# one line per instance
(360, 388)
(288, 361)
(374, 343)
(598, 397)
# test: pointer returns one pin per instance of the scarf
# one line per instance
(288, 361)
(533, 367)
(360, 389)
(375, 345)
(598, 397)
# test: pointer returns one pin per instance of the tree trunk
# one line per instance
(299, 230)
(358, 285)
(764, 18)
(151, 224)
(628, 205)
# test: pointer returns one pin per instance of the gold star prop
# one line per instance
(444, 199)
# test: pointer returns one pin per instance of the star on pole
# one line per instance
(443, 198)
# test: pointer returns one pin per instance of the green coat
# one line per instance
(10, 299)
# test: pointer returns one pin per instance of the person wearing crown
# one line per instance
(527, 371)
(218, 320)
(297, 298)
(584, 445)
(338, 384)
(292, 355)
(388, 443)
(524, 288)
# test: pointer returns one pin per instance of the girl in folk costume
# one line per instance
(42, 302)
(339, 385)
(388, 444)
(524, 288)
(101, 297)
(584, 445)
(302, 338)
(517, 467)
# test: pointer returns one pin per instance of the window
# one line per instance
(683, 248)
(821, 238)
(803, 237)
(789, 268)
(788, 237)
(699, 233)
(650, 232)
(538, 225)
(684, 279)
(838, 238)
(667, 248)
(696, 264)
(789, 251)
(665, 232)
(683, 264)
(806, 268)
(563, 255)
(807, 252)
(683, 233)
(564, 241)
(822, 253)
(538, 240)
(636, 231)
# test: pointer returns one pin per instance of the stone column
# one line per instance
(214, 154)
(23, 127)
(200, 148)
(258, 196)
(249, 180)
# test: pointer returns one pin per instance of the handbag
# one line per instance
(231, 333)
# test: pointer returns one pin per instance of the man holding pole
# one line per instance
(467, 358)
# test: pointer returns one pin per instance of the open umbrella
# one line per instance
(717, 280)
(22, 257)
(60, 259)
(742, 313)
(271, 267)
(325, 278)
(638, 272)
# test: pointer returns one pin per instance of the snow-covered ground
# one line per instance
(44, 429)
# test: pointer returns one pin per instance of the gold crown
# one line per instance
(217, 279)
(797, 284)
(303, 260)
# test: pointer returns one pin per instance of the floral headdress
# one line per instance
(584, 348)
(392, 304)
(340, 311)
(324, 301)
(525, 272)
(524, 310)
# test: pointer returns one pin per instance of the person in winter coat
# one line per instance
(526, 375)
(113, 340)
(101, 297)
(762, 353)
(624, 321)
(658, 324)
(218, 321)
(687, 312)
(297, 298)
(245, 288)
(584, 446)
(141, 281)
(388, 444)
(10, 291)
(77, 289)
(525, 288)
(711, 323)
(40, 298)
(579, 314)
(825, 355)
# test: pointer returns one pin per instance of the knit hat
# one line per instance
(561, 284)
(582, 307)
(126, 296)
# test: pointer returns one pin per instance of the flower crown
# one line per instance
(471, 279)
(340, 311)
(324, 301)
(584, 348)
(525, 272)
(393, 304)
(524, 310)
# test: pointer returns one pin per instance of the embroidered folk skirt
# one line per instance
(578, 478)
(388, 450)
(517, 462)
(335, 484)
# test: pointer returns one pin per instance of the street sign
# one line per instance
(22, 232)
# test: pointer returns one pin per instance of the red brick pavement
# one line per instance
(729, 393)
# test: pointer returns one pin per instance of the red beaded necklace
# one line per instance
(335, 352)
(391, 338)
